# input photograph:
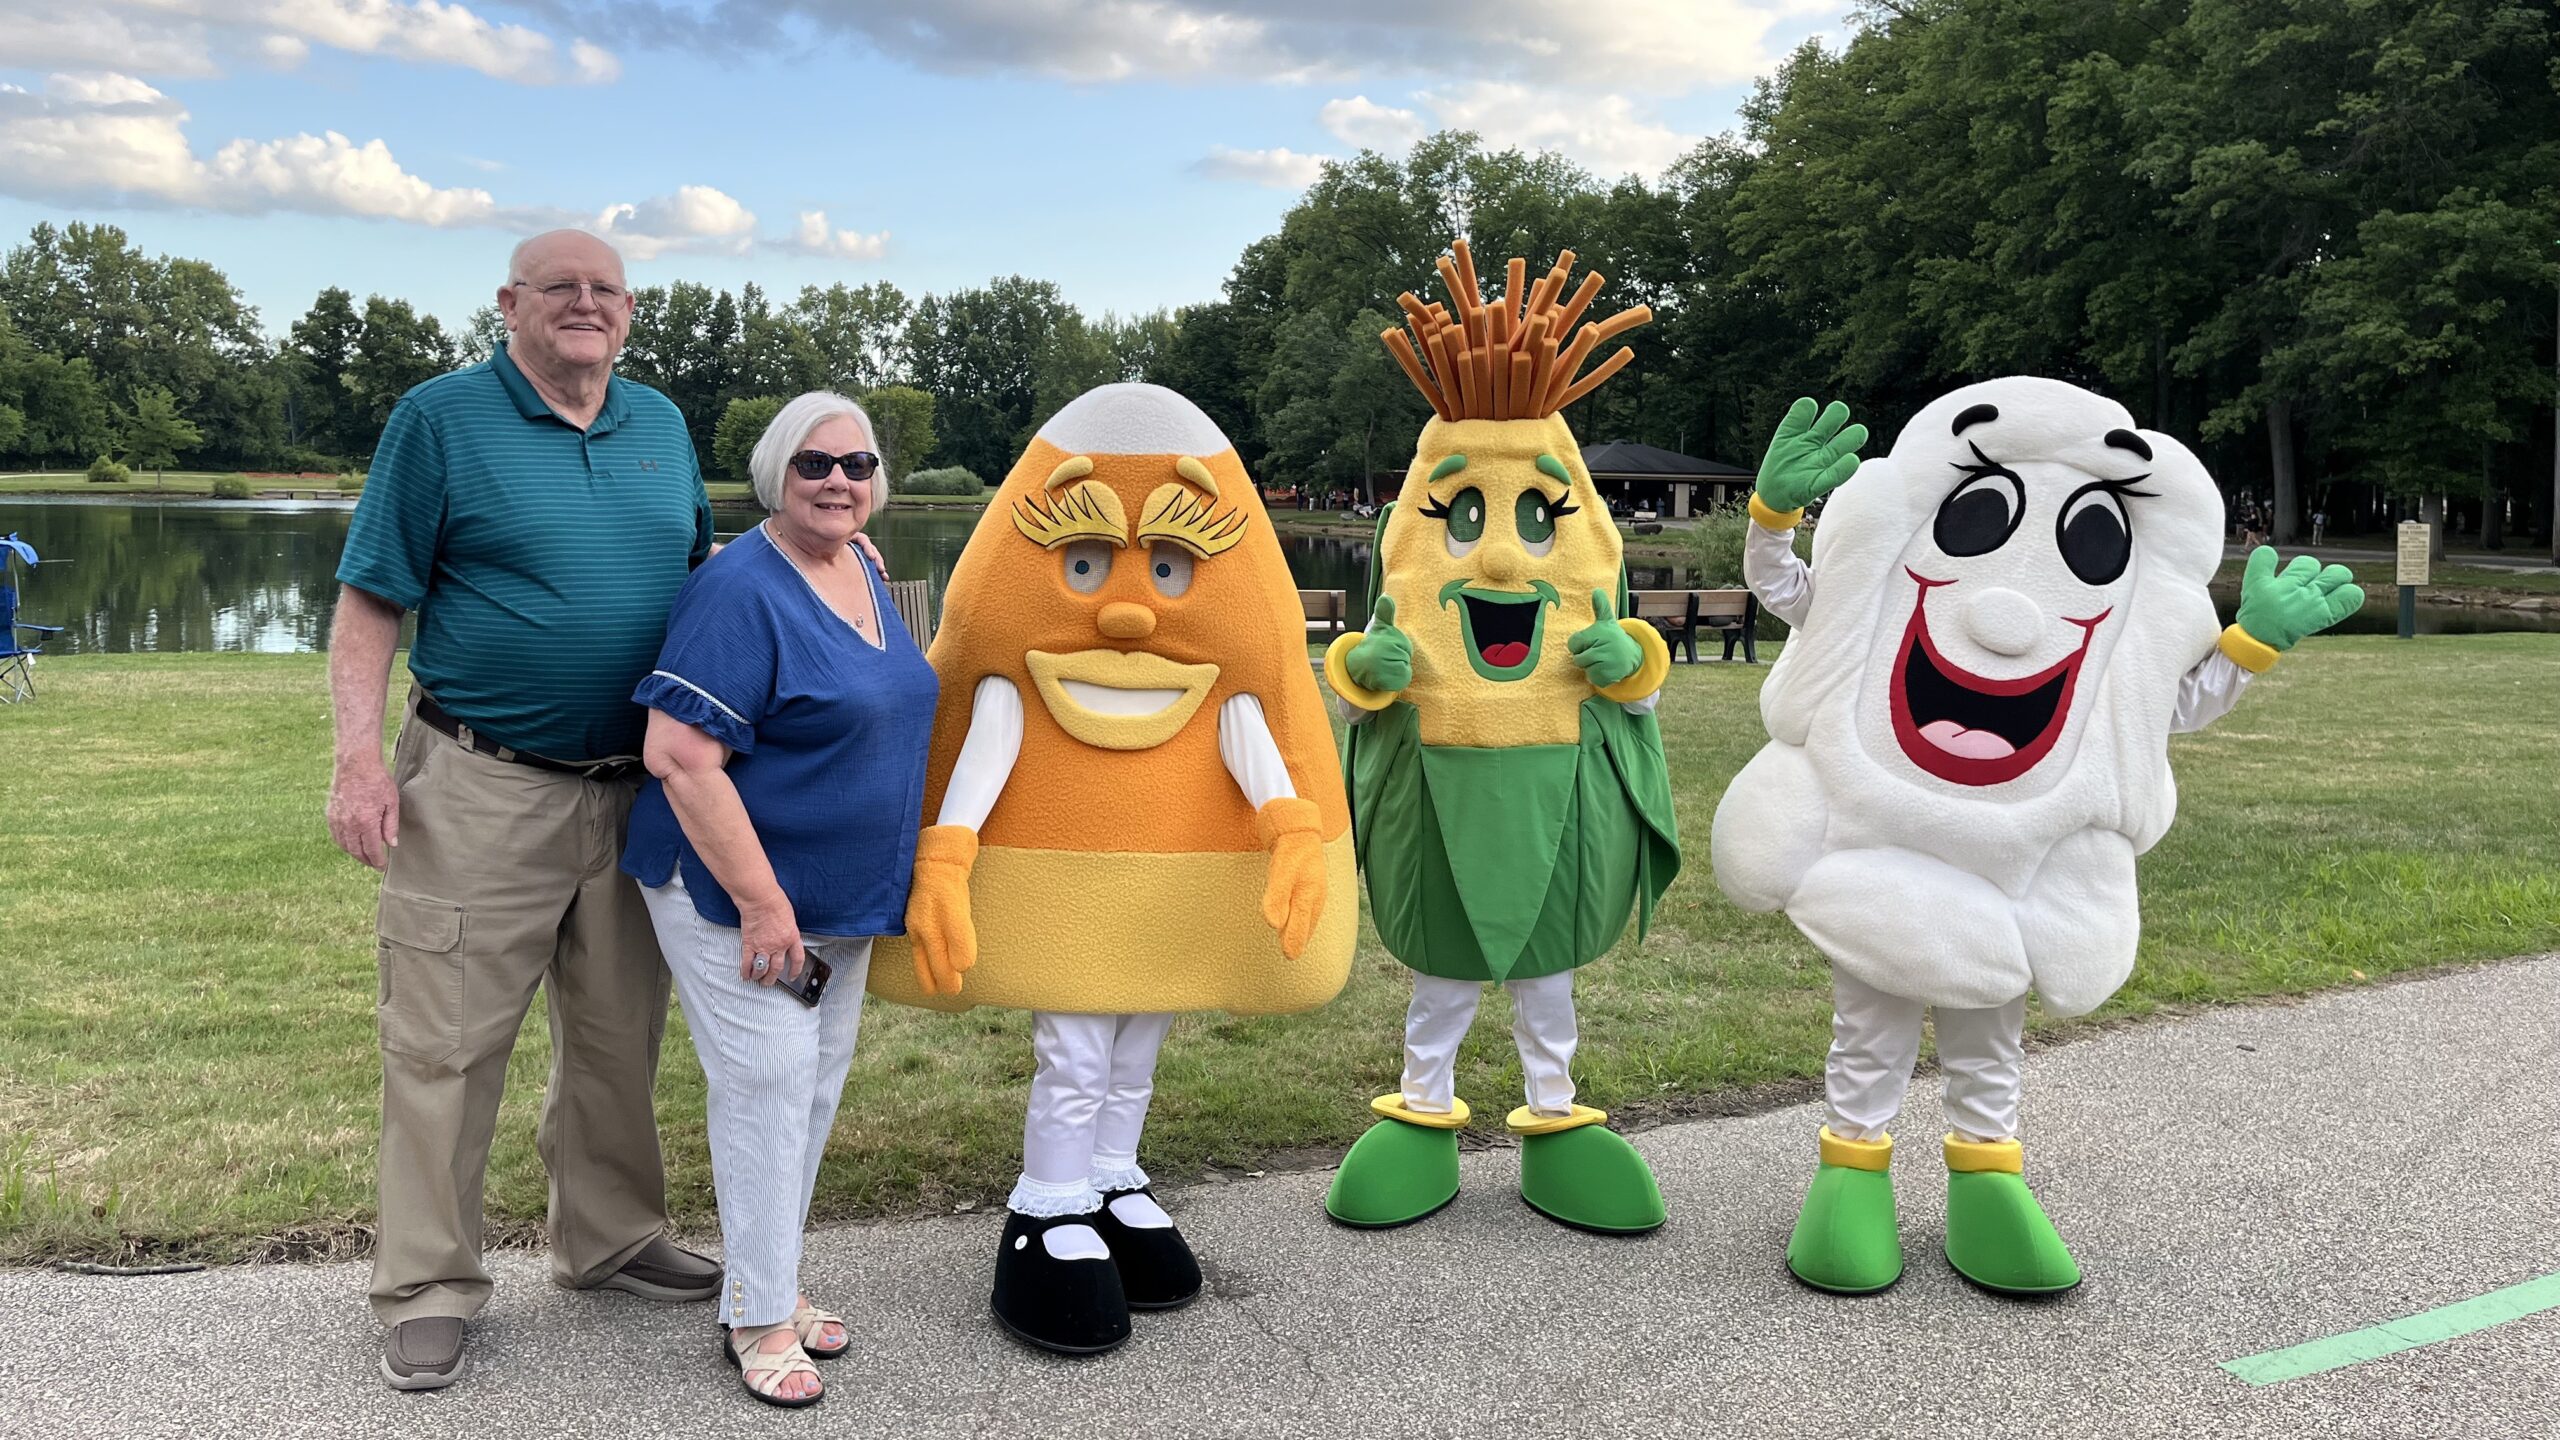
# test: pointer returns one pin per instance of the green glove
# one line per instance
(1810, 457)
(2279, 607)
(1606, 653)
(1383, 660)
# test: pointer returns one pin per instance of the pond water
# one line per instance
(232, 575)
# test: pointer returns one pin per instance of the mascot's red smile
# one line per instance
(1971, 729)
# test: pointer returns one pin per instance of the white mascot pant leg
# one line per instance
(1089, 1097)
(1980, 1052)
(1875, 1042)
(1542, 1027)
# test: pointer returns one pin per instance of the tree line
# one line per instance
(2319, 240)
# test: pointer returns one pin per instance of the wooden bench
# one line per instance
(1326, 611)
(914, 599)
(1679, 614)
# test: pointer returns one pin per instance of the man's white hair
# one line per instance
(790, 430)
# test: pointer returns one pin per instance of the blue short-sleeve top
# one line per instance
(827, 734)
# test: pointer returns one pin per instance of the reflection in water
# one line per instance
(217, 575)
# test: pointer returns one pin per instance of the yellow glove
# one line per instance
(946, 939)
(1294, 895)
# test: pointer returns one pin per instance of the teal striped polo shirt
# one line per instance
(541, 559)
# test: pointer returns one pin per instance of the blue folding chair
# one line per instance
(17, 662)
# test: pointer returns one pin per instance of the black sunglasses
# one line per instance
(859, 465)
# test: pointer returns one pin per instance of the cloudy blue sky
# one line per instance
(1127, 149)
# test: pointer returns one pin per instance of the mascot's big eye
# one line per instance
(1534, 516)
(1983, 513)
(1465, 514)
(1088, 564)
(1170, 567)
(2093, 534)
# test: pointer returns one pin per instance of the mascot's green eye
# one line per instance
(1535, 518)
(1465, 516)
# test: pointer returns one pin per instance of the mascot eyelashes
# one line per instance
(1137, 813)
(1509, 797)
(2005, 620)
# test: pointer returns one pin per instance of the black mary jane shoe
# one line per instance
(1157, 1271)
(1066, 1307)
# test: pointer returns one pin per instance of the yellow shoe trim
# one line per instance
(1525, 1121)
(1649, 675)
(1968, 1157)
(1393, 1107)
(1851, 1154)
(2247, 651)
(1337, 673)
(1769, 519)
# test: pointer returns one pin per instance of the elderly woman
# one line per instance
(789, 716)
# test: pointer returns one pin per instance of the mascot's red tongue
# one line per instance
(1506, 653)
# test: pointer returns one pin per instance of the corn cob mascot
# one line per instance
(2004, 622)
(1508, 788)
(1136, 813)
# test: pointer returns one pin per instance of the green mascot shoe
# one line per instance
(1846, 1240)
(1577, 1173)
(1403, 1169)
(1997, 1235)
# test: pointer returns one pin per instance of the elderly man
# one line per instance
(538, 513)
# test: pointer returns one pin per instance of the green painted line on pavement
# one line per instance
(2445, 1322)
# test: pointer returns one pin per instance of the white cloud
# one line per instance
(816, 237)
(1281, 169)
(1363, 122)
(114, 140)
(1607, 134)
(284, 52)
(1673, 45)
(37, 34)
(696, 217)
(189, 37)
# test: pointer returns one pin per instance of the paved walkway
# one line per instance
(2234, 1183)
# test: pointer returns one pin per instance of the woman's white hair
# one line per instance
(790, 430)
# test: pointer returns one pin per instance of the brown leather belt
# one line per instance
(442, 721)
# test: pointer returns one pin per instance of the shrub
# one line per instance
(947, 480)
(105, 471)
(351, 480)
(230, 487)
(303, 460)
(1715, 545)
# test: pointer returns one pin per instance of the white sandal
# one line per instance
(761, 1372)
(809, 1321)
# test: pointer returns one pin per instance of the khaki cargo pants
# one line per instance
(505, 879)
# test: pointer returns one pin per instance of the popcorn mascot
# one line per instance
(1137, 813)
(2004, 622)
(1508, 793)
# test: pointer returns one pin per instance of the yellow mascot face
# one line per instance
(1497, 540)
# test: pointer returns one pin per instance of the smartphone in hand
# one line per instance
(812, 982)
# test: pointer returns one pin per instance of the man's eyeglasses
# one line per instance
(565, 293)
(859, 465)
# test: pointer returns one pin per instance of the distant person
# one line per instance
(789, 715)
(539, 513)
(2319, 526)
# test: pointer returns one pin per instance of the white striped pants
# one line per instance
(775, 1069)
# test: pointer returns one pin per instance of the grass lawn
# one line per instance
(174, 482)
(187, 1060)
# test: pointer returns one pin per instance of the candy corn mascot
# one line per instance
(2005, 620)
(1135, 812)
(1508, 790)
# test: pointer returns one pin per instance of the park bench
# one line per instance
(1679, 614)
(914, 599)
(1326, 611)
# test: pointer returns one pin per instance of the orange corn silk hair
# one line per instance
(1122, 880)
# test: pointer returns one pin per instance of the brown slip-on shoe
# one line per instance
(423, 1354)
(666, 1271)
